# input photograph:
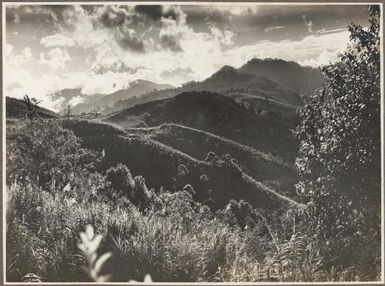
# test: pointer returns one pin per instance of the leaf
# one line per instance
(147, 278)
(90, 232)
(83, 237)
(103, 278)
(94, 244)
(100, 262)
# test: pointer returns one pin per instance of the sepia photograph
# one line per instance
(192, 142)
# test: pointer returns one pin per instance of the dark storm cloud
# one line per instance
(57, 11)
(153, 12)
(201, 14)
(156, 12)
(128, 41)
(170, 42)
(112, 16)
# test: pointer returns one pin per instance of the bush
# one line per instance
(122, 183)
(46, 154)
(120, 179)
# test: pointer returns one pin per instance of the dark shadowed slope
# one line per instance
(15, 108)
(159, 164)
(198, 144)
(219, 115)
(289, 75)
(229, 80)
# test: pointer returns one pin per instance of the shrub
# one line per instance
(120, 178)
(46, 154)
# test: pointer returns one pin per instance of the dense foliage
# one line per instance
(339, 159)
(47, 154)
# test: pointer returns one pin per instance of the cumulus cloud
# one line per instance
(76, 100)
(116, 66)
(156, 12)
(55, 59)
(127, 39)
(27, 53)
(57, 40)
(313, 50)
(170, 41)
(113, 16)
(110, 46)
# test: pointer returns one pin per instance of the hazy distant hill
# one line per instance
(98, 102)
(15, 108)
(217, 114)
(289, 75)
(68, 96)
(136, 88)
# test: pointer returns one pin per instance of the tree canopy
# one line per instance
(339, 160)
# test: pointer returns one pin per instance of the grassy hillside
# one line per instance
(198, 144)
(161, 164)
(15, 108)
(266, 105)
(219, 115)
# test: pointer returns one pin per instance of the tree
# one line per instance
(339, 157)
(31, 103)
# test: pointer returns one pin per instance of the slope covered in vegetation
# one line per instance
(219, 115)
(259, 165)
(16, 108)
(165, 165)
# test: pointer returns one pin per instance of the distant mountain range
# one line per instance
(100, 102)
(274, 79)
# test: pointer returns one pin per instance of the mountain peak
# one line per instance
(227, 70)
(288, 74)
(228, 74)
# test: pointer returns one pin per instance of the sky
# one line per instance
(102, 48)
